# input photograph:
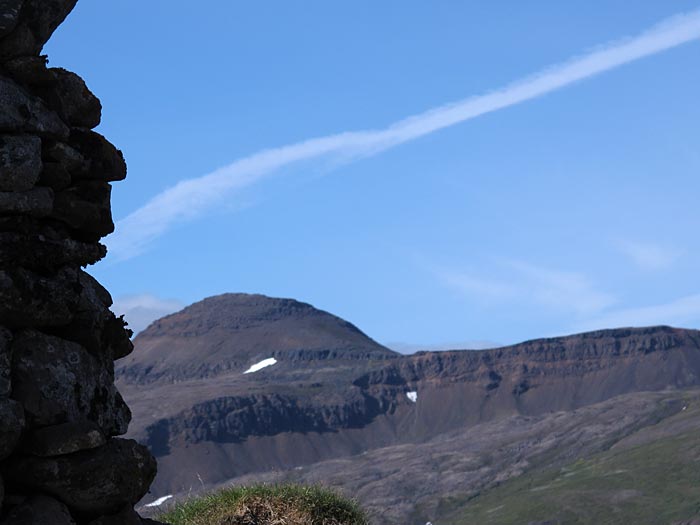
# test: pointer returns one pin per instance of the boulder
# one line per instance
(20, 162)
(41, 254)
(39, 510)
(105, 162)
(30, 71)
(66, 438)
(61, 90)
(94, 326)
(58, 381)
(32, 26)
(85, 207)
(24, 113)
(55, 176)
(5, 362)
(126, 516)
(68, 157)
(31, 299)
(91, 482)
(72, 100)
(37, 202)
(10, 15)
(11, 425)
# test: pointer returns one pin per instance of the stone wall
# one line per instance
(60, 461)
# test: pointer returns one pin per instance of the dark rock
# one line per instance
(9, 15)
(105, 161)
(22, 112)
(29, 299)
(41, 254)
(39, 510)
(100, 331)
(63, 91)
(5, 362)
(20, 162)
(37, 21)
(70, 158)
(94, 326)
(117, 337)
(55, 176)
(92, 482)
(66, 438)
(127, 516)
(85, 206)
(72, 100)
(58, 381)
(30, 70)
(11, 425)
(59, 405)
(94, 291)
(37, 202)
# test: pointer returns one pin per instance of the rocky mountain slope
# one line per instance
(248, 387)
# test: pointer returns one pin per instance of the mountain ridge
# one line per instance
(338, 399)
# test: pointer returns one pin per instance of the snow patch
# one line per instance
(262, 364)
(159, 501)
(413, 396)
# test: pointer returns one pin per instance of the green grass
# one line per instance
(654, 483)
(268, 505)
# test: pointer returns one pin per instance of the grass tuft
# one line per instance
(268, 505)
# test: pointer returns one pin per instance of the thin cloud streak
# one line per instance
(650, 256)
(530, 286)
(190, 198)
(682, 312)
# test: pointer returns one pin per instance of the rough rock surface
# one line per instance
(58, 381)
(39, 509)
(20, 162)
(91, 482)
(59, 407)
(66, 438)
(11, 425)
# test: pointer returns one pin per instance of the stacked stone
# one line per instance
(60, 462)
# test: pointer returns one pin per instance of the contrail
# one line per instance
(190, 198)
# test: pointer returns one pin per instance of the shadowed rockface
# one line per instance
(334, 393)
(61, 461)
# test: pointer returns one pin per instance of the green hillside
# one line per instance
(652, 478)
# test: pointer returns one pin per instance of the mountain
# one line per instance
(220, 334)
(246, 387)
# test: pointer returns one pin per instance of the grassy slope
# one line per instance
(268, 505)
(654, 479)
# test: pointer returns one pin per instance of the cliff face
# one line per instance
(60, 412)
(332, 392)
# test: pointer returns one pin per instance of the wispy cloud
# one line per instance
(650, 256)
(142, 309)
(485, 289)
(683, 312)
(191, 198)
(563, 290)
(521, 283)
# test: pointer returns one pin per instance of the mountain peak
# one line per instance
(229, 331)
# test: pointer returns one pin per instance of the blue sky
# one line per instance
(573, 210)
